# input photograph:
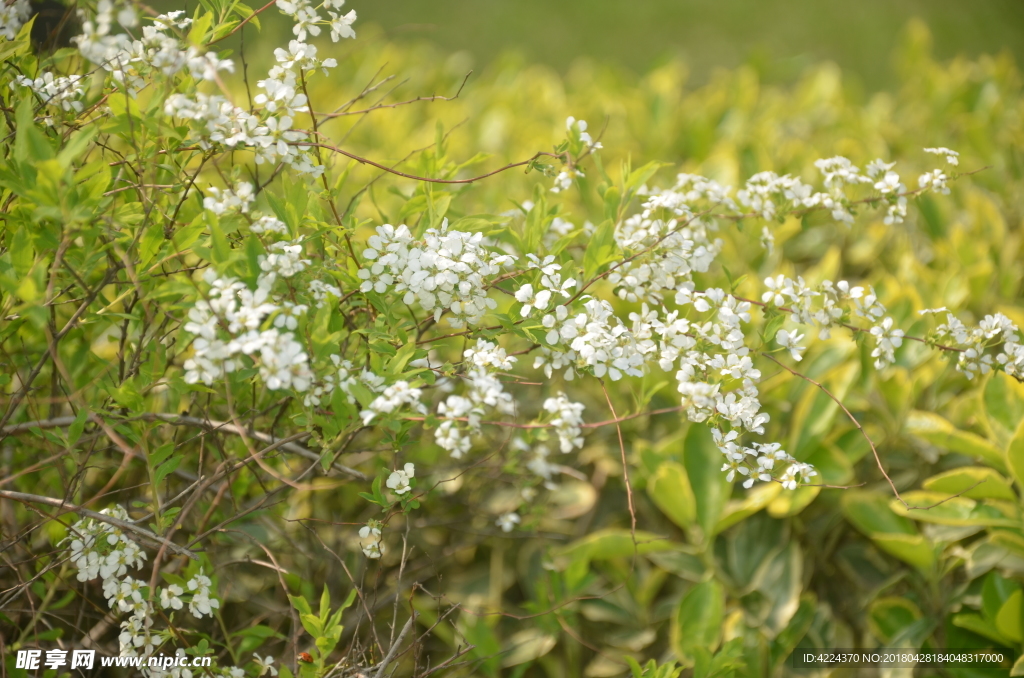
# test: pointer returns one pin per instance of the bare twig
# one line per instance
(394, 647)
(111, 520)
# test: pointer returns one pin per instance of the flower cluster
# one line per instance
(758, 462)
(443, 272)
(61, 91)
(580, 141)
(795, 297)
(230, 324)
(461, 414)
(595, 338)
(394, 397)
(134, 62)
(308, 21)
(398, 481)
(567, 421)
(101, 549)
(228, 200)
(343, 376)
(269, 131)
(371, 541)
(667, 243)
(13, 16)
(972, 344)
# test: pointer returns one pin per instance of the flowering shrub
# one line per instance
(207, 322)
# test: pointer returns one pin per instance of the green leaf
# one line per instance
(165, 469)
(995, 591)
(1008, 620)
(1003, 404)
(973, 482)
(936, 430)
(983, 627)
(527, 645)
(612, 201)
(1015, 455)
(77, 426)
(349, 599)
(634, 667)
(219, 246)
(325, 603)
(22, 252)
(600, 250)
(703, 462)
(870, 513)
(200, 27)
(30, 144)
(697, 621)
(18, 46)
(614, 543)
(78, 144)
(397, 364)
(300, 604)
(913, 549)
(312, 624)
(953, 511)
(774, 324)
(670, 490)
(160, 454)
(640, 176)
(889, 615)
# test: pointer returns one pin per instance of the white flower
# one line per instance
(952, 157)
(395, 396)
(889, 183)
(341, 25)
(733, 466)
(889, 340)
(371, 541)
(399, 480)
(169, 597)
(878, 167)
(934, 181)
(444, 271)
(269, 225)
(265, 664)
(507, 521)
(530, 300)
(567, 422)
(563, 182)
(791, 341)
(201, 602)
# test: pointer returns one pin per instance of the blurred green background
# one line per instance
(779, 37)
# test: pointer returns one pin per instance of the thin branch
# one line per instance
(377, 107)
(874, 450)
(111, 520)
(394, 647)
(367, 161)
(625, 466)
(182, 420)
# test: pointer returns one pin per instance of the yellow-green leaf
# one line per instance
(974, 482)
(698, 620)
(615, 543)
(1015, 455)
(740, 509)
(938, 431)
(913, 549)
(945, 510)
(1008, 620)
(670, 491)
